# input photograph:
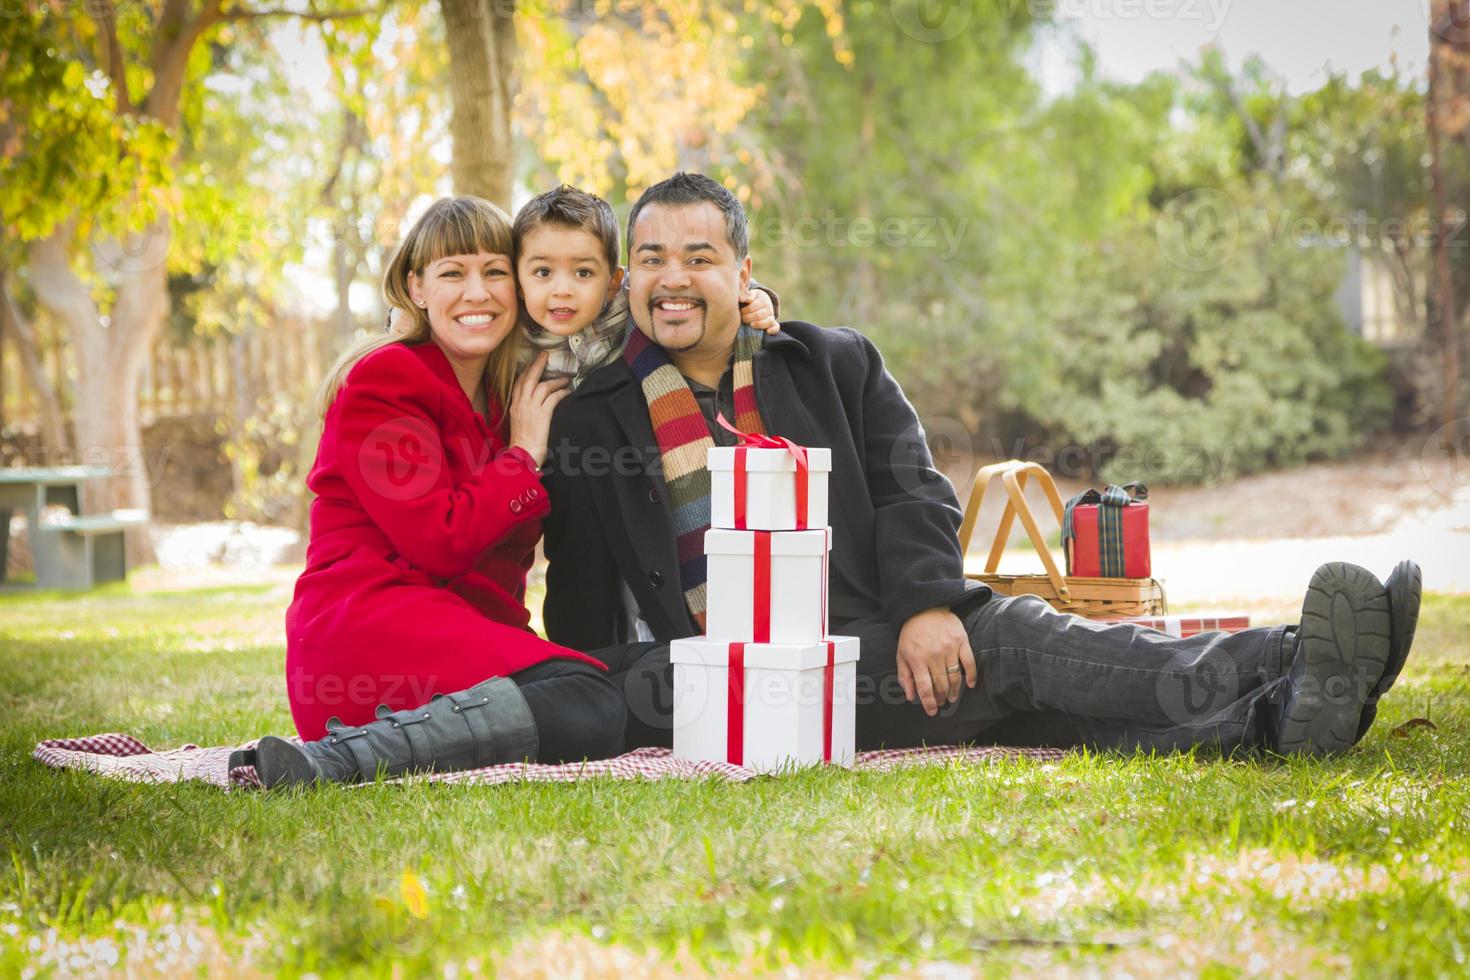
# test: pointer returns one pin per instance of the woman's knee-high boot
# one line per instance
(488, 724)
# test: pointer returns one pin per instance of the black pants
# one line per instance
(579, 712)
(1045, 678)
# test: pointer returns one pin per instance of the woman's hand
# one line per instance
(531, 403)
(756, 311)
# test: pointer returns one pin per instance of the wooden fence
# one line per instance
(218, 375)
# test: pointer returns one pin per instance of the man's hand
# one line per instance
(929, 645)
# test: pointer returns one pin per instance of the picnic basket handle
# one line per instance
(1014, 473)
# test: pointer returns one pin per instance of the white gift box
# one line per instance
(783, 691)
(770, 488)
(786, 592)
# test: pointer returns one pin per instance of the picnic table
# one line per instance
(71, 550)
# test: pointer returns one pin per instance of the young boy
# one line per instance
(566, 247)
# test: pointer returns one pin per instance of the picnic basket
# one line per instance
(1094, 598)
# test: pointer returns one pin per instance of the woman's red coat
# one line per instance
(423, 529)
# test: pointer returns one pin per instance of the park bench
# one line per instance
(70, 549)
(79, 552)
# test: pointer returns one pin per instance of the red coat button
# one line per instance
(515, 506)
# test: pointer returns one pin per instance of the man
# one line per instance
(943, 660)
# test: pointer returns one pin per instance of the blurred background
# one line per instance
(1193, 242)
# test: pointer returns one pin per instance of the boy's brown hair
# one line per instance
(571, 208)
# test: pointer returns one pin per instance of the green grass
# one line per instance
(1153, 866)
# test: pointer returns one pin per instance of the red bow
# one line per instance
(759, 440)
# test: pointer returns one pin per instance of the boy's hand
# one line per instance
(756, 311)
(398, 321)
(531, 403)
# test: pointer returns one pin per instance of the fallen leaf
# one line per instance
(1403, 730)
(414, 896)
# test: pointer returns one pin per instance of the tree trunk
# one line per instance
(858, 296)
(14, 324)
(481, 37)
(344, 265)
(110, 358)
(1444, 293)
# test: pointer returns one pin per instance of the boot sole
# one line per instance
(1345, 637)
(1405, 591)
(282, 763)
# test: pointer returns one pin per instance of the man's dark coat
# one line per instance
(894, 518)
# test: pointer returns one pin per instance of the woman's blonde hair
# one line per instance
(451, 226)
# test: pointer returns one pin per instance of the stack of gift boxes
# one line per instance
(766, 687)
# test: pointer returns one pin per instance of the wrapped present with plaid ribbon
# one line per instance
(1105, 535)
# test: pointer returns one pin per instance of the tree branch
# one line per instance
(14, 323)
(318, 16)
(173, 42)
(106, 16)
(352, 133)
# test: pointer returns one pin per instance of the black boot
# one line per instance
(1342, 650)
(1405, 587)
(487, 725)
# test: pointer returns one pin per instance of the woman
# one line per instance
(427, 513)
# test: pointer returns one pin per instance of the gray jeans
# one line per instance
(1045, 678)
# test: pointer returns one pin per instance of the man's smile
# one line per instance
(676, 304)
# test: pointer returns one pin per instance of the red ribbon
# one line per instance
(826, 549)
(735, 704)
(741, 486)
(761, 615)
(735, 707)
(829, 678)
(759, 440)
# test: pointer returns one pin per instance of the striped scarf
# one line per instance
(684, 440)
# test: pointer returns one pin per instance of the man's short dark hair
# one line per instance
(684, 189)
(571, 208)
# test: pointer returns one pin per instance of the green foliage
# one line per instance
(1199, 367)
(1128, 274)
(894, 175)
(65, 151)
(272, 449)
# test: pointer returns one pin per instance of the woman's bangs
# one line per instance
(465, 227)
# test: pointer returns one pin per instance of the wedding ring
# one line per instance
(952, 670)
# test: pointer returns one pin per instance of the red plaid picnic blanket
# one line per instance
(124, 757)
